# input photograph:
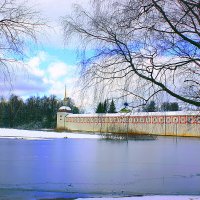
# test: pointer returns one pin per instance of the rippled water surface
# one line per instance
(94, 166)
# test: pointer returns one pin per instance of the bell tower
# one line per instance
(62, 113)
(65, 98)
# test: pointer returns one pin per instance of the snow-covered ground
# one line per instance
(29, 134)
(149, 198)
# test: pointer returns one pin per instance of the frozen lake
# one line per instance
(95, 167)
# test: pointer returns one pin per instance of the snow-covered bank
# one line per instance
(149, 198)
(30, 134)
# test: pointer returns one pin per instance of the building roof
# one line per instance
(64, 109)
(142, 114)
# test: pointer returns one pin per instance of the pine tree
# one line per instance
(112, 108)
(151, 107)
(166, 106)
(174, 106)
(100, 108)
(105, 106)
(3, 113)
(75, 110)
(35, 112)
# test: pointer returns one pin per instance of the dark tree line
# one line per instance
(165, 106)
(32, 113)
(106, 107)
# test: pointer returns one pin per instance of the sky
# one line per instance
(51, 64)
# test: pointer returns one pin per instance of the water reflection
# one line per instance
(162, 166)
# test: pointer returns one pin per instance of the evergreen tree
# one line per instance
(75, 110)
(112, 108)
(3, 113)
(15, 111)
(167, 106)
(151, 107)
(105, 106)
(35, 112)
(100, 108)
(174, 106)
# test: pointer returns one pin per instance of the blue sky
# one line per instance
(50, 64)
(46, 71)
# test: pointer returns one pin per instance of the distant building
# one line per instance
(63, 111)
(177, 123)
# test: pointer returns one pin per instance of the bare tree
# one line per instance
(19, 24)
(140, 47)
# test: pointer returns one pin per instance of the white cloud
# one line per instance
(44, 74)
(33, 65)
(41, 75)
(53, 11)
(57, 70)
(26, 78)
(58, 86)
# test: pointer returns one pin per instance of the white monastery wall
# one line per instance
(169, 123)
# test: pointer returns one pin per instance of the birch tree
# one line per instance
(19, 25)
(140, 48)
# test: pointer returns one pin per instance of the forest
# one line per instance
(32, 113)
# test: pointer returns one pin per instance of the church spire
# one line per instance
(65, 99)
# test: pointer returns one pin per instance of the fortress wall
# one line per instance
(173, 130)
(183, 125)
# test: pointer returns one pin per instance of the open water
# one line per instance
(37, 169)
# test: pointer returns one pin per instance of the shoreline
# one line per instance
(43, 134)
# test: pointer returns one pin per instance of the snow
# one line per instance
(149, 198)
(31, 134)
(175, 113)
